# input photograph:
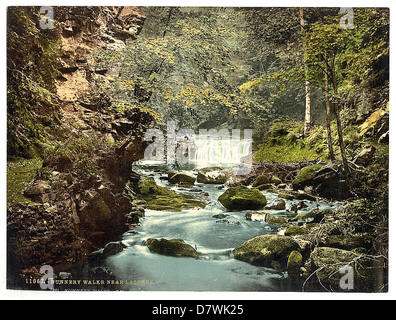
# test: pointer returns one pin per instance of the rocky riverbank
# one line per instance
(315, 248)
(77, 202)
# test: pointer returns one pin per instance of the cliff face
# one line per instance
(78, 202)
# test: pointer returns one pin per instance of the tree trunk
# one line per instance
(307, 122)
(336, 104)
(328, 112)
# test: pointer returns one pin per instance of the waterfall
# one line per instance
(221, 152)
(207, 149)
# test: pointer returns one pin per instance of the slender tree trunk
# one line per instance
(336, 103)
(307, 122)
(328, 112)
(307, 125)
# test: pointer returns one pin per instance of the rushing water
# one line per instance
(214, 233)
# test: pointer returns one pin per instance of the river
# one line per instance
(213, 231)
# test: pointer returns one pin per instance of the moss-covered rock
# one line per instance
(314, 216)
(330, 263)
(267, 251)
(275, 180)
(162, 199)
(173, 247)
(345, 242)
(260, 180)
(294, 231)
(296, 195)
(213, 175)
(294, 263)
(305, 176)
(179, 178)
(265, 186)
(242, 198)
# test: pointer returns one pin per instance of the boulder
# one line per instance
(36, 189)
(296, 195)
(345, 242)
(294, 231)
(275, 180)
(305, 177)
(327, 181)
(267, 251)
(333, 189)
(263, 187)
(277, 205)
(365, 156)
(173, 247)
(314, 216)
(298, 206)
(113, 248)
(179, 178)
(162, 199)
(242, 198)
(294, 263)
(213, 175)
(332, 264)
(260, 180)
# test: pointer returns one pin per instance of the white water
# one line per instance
(222, 152)
(210, 151)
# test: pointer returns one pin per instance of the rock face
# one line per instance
(174, 248)
(242, 198)
(79, 210)
(86, 31)
(267, 251)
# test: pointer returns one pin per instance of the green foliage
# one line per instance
(31, 72)
(186, 65)
(285, 142)
(20, 173)
(353, 50)
(80, 150)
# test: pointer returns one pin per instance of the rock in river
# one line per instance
(242, 198)
(173, 247)
(179, 178)
(213, 175)
(162, 199)
(260, 180)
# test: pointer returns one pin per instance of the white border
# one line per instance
(185, 295)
